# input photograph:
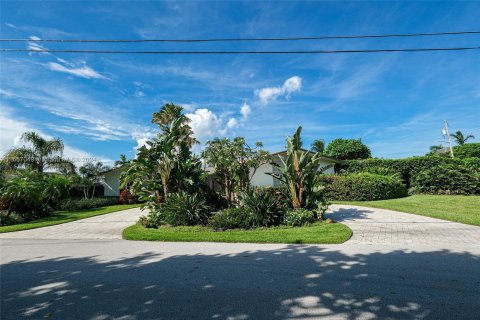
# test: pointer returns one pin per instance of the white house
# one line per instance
(111, 178)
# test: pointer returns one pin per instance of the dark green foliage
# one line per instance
(232, 218)
(467, 150)
(298, 217)
(81, 204)
(183, 209)
(153, 220)
(446, 179)
(213, 199)
(347, 149)
(472, 163)
(363, 187)
(406, 168)
(9, 218)
(264, 206)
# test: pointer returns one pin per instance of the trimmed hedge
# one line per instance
(446, 179)
(363, 187)
(81, 204)
(406, 168)
(468, 150)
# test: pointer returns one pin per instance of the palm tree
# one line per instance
(40, 155)
(318, 145)
(169, 118)
(122, 161)
(460, 138)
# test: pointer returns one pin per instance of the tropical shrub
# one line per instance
(82, 204)
(183, 209)
(299, 176)
(153, 220)
(126, 197)
(363, 187)
(264, 207)
(347, 149)
(9, 218)
(446, 179)
(231, 218)
(467, 150)
(298, 217)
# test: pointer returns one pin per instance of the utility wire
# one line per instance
(253, 39)
(239, 52)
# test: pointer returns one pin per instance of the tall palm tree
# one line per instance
(318, 145)
(460, 138)
(39, 155)
(169, 118)
(122, 161)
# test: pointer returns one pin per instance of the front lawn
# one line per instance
(65, 216)
(463, 209)
(315, 233)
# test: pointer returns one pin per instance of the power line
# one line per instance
(428, 34)
(239, 52)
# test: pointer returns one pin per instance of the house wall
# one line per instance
(111, 183)
(260, 178)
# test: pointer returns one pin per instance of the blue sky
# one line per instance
(101, 105)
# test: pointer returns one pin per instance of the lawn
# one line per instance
(65, 216)
(463, 209)
(315, 233)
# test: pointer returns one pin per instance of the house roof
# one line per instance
(305, 150)
(112, 169)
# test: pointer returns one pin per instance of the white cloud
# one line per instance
(12, 129)
(291, 85)
(83, 71)
(245, 110)
(232, 123)
(205, 124)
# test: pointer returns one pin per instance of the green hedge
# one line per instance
(447, 179)
(406, 168)
(363, 187)
(468, 150)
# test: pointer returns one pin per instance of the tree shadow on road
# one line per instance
(348, 214)
(296, 282)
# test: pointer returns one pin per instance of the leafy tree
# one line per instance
(347, 149)
(299, 173)
(40, 155)
(165, 164)
(235, 163)
(435, 150)
(90, 176)
(318, 145)
(122, 161)
(460, 139)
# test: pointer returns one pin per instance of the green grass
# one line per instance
(463, 209)
(65, 216)
(315, 233)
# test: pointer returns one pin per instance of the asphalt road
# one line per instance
(116, 279)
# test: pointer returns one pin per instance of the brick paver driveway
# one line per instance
(107, 226)
(381, 226)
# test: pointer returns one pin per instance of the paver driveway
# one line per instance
(381, 226)
(107, 226)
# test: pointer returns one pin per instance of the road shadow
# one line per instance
(297, 282)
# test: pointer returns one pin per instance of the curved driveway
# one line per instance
(106, 226)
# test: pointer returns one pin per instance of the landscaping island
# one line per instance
(319, 232)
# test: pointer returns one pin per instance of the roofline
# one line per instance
(309, 151)
(112, 169)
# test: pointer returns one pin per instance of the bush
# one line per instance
(446, 179)
(184, 209)
(264, 205)
(231, 219)
(472, 163)
(468, 150)
(126, 197)
(81, 204)
(9, 218)
(347, 149)
(406, 168)
(363, 187)
(153, 220)
(298, 217)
